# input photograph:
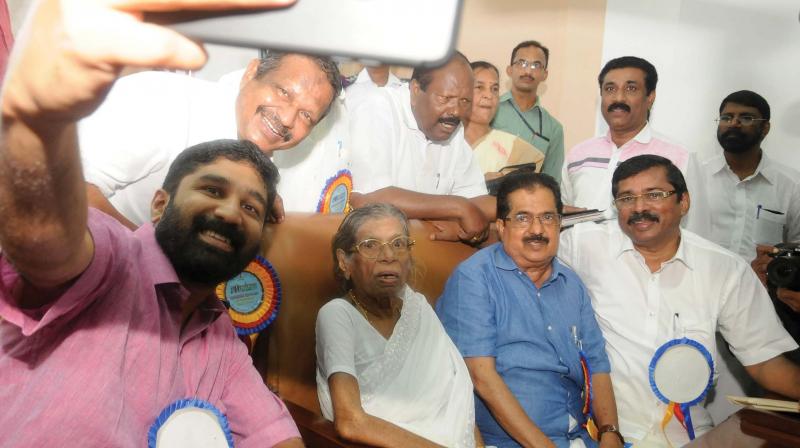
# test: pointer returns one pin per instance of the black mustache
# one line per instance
(536, 237)
(450, 120)
(621, 106)
(732, 133)
(528, 77)
(201, 223)
(284, 132)
(641, 216)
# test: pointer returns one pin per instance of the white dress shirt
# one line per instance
(389, 150)
(763, 208)
(702, 289)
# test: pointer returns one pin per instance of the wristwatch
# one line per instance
(612, 429)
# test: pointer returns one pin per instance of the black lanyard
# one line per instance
(530, 128)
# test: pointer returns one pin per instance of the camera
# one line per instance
(784, 270)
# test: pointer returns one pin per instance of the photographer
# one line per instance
(759, 264)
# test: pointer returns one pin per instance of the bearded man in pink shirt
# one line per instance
(105, 334)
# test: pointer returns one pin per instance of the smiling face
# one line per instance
(624, 99)
(535, 244)
(446, 101)
(384, 276)
(651, 224)
(486, 95)
(211, 229)
(279, 109)
(527, 79)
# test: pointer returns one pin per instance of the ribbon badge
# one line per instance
(335, 196)
(252, 297)
(190, 423)
(681, 373)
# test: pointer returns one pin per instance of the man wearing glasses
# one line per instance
(653, 283)
(525, 325)
(520, 111)
(627, 93)
(754, 200)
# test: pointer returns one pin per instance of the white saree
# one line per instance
(416, 379)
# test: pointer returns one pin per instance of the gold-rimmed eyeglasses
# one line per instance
(526, 219)
(372, 247)
(533, 65)
(651, 197)
(744, 120)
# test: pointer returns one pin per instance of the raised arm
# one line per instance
(65, 60)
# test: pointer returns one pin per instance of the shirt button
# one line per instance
(549, 328)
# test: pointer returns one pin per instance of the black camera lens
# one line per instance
(784, 272)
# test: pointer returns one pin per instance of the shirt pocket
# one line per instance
(769, 227)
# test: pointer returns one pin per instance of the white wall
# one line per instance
(706, 49)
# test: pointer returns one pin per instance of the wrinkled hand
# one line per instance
(70, 52)
(759, 264)
(445, 231)
(790, 298)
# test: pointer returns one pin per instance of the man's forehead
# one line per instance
(624, 75)
(731, 107)
(651, 178)
(523, 198)
(530, 52)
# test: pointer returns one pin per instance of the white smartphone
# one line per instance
(409, 32)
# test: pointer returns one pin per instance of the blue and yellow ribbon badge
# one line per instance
(335, 196)
(252, 297)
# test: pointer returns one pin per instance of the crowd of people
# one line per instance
(127, 200)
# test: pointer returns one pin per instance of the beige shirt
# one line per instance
(499, 149)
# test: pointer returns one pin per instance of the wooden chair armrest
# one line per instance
(316, 431)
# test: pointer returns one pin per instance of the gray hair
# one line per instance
(345, 237)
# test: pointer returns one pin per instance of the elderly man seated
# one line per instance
(387, 374)
(525, 326)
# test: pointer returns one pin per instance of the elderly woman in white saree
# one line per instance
(387, 373)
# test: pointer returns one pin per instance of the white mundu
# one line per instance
(389, 150)
(704, 288)
(763, 208)
(418, 362)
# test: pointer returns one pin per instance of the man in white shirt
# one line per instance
(652, 282)
(409, 150)
(153, 116)
(369, 80)
(627, 93)
(753, 199)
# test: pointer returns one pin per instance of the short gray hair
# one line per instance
(345, 237)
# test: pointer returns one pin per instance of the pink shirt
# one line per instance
(586, 177)
(96, 366)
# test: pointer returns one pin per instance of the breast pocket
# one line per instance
(769, 227)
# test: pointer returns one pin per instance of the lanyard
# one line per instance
(530, 128)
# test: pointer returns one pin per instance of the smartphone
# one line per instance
(411, 32)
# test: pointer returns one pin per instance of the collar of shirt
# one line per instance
(510, 98)
(504, 261)
(765, 168)
(644, 136)
(625, 244)
(363, 78)
(161, 270)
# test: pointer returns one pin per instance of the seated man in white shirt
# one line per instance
(152, 116)
(652, 282)
(627, 93)
(409, 150)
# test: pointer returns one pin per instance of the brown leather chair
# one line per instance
(300, 251)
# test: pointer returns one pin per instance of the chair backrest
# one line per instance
(300, 251)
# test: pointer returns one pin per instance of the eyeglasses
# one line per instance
(744, 120)
(525, 219)
(371, 247)
(650, 198)
(523, 64)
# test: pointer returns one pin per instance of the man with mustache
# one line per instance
(627, 93)
(522, 321)
(521, 112)
(106, 333)
(754, 200)
(275, 102)
(652, 282)
(409, 150)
